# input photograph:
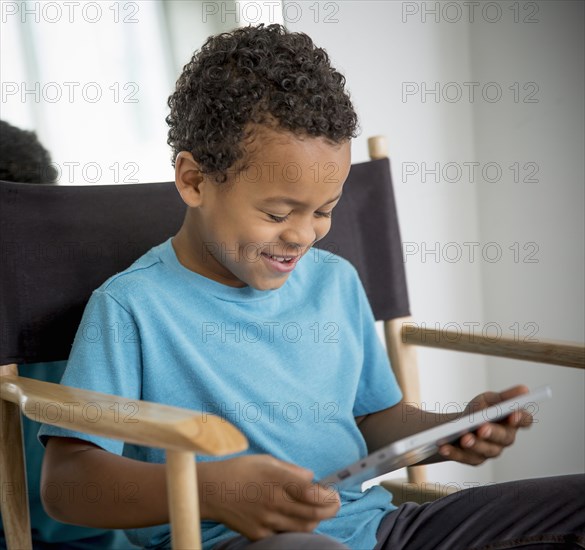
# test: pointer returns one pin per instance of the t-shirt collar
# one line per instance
(221, 291)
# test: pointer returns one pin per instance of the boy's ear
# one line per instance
(188, 179)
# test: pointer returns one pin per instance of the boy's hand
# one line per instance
(259, 496)
(490, 439)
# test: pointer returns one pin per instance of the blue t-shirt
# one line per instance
(291, 368)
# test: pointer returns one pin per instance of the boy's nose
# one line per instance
(301, 236)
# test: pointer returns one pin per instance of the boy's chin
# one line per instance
(269, 284)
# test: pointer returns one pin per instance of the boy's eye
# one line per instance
(280, 219)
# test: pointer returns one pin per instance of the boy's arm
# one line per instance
(86, 485)
(404, 419)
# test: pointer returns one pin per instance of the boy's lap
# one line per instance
(545, 511)
(283, 541)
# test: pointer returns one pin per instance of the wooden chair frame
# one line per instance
(403, 335)
(183, 433)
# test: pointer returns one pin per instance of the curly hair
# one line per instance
(255, 75)
(22, 157)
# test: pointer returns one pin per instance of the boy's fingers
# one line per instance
(492, 437)
(500, 434)
(283, 522)
(311, 493)
(513, 392)
(308, 512)
(486, 449)
(320, 495)
(490, 398)
(521, 419)
(460, 455)
(489, 442)
(303, 474)
(299, 487)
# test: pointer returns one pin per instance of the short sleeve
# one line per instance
(377, 387)
(106, 358)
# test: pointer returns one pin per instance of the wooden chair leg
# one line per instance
(183, 500)
(13, 490)
(404, 364)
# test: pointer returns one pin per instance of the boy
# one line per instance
(260, 127)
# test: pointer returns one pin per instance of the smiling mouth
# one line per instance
(281, 264)
(282, 259)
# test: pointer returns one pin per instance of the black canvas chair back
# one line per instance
(365, 231)
(59, 243)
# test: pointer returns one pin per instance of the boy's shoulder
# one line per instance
(141, 274)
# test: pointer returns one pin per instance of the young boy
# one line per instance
(237, 315)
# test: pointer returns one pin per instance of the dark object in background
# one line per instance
(23, 158)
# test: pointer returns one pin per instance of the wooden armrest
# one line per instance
(139, 422)
(554, 352)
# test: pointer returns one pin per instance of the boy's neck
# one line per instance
(188, 250)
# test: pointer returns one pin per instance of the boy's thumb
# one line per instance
(300, 471)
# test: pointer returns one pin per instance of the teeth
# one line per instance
(281, 260)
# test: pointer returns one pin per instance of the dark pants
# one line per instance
(534, 514)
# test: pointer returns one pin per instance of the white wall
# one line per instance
(92, 83)
(548, 293)
(382, 47)
(191, 23)
(99, 106)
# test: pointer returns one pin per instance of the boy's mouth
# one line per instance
(282, 259)
(282, 264)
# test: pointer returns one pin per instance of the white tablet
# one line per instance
(413, 449)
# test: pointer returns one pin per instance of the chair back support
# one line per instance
(365, 231)
(59, 243)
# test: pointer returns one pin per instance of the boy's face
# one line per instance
(231, 229)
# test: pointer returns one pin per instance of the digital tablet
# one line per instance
(413, 449)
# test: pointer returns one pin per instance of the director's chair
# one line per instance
(59, 243)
